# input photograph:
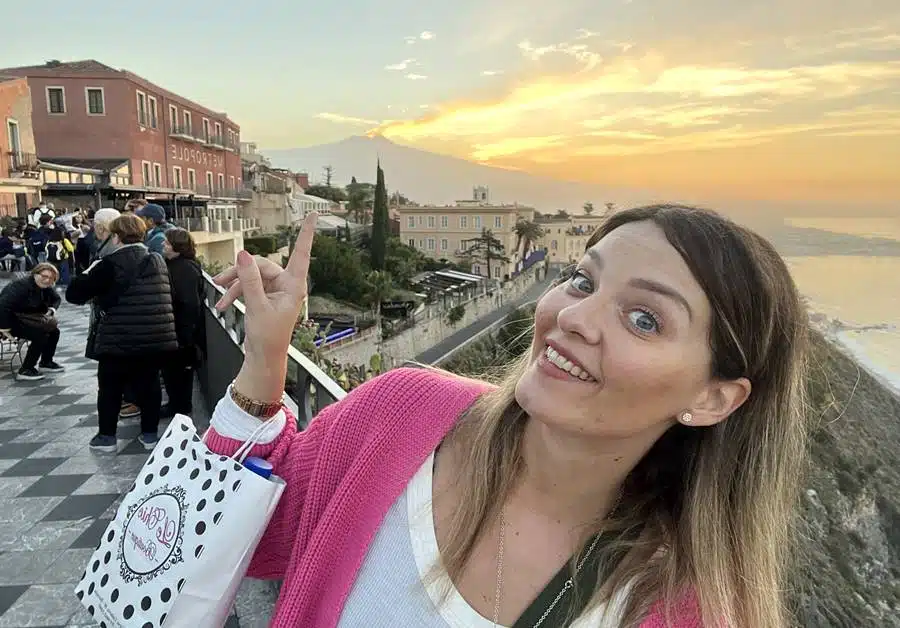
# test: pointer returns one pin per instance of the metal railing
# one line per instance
(273, 186)
(213, 141)
(216, 191)
(20, 162)
(308, 388)
(182, 130)
(214, 224)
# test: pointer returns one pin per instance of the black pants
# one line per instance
(43, 343)
(114, 374)
(128, 395)
(178, 374)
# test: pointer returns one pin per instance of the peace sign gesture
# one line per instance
(273, 297)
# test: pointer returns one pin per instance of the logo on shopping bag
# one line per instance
(153, 535)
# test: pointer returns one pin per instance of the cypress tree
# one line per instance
(380, 222)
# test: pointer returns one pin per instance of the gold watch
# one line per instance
(253, 407)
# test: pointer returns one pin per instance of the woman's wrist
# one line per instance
(262, 379)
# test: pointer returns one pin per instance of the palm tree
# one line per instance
(381, 286)
(588, 208)
(527, 232)
(610, 210)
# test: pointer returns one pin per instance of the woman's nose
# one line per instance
(583, 318)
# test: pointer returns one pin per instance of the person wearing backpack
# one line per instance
(37, 238)
(59, 251)
(38, 213)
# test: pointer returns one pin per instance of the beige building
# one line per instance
(566, 238)
(445, 232)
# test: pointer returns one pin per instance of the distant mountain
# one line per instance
(431, 178)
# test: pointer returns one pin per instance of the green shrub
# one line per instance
(261, 245)
(455, 314)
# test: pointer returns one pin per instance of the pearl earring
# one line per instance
(686, 417)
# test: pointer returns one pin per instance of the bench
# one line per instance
(11, 263)
(12, 350)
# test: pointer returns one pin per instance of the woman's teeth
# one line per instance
(563, 364)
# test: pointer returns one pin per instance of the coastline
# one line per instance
(845, 338)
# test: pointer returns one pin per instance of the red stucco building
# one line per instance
(88, 115)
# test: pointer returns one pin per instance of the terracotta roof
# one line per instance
(86, 66)
(95, 68)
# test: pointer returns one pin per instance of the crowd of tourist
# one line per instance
(140, 277)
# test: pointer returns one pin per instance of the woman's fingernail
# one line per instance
(243, 258)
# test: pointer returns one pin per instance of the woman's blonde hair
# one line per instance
(39, 268)
(714, 506)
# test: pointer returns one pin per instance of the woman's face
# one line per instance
(621, 348)
(168, 251)
(45, 279)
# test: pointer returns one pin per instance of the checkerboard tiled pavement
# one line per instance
(57, 496)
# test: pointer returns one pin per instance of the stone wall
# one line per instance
(432, 326)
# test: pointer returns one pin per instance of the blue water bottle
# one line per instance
(260, 467)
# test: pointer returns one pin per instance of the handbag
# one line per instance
(567, 594)
(43, 322)
(182, 539)
(99, 312)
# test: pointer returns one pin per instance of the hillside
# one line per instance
(429, 177)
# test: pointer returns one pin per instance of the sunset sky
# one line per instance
(799, 98)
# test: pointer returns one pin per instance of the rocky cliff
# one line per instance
(848, 568)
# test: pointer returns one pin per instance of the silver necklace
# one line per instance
(565, 589)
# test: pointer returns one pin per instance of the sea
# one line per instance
(848, 270)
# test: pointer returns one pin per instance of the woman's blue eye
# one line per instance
(644, 321)
(580, 281)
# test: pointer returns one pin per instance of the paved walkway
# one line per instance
(57, 496)
(452, 342)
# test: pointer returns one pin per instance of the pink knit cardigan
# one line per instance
(343, 472)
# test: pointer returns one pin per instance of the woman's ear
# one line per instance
(719, 400)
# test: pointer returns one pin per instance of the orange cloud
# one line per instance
(638, 106)
(515, 146)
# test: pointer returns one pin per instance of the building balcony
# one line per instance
(222, 192)
(213, 141)
(217, 228)
(23, 165)
(182, 132)
(274, 186)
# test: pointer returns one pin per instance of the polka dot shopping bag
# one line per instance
(182, 538)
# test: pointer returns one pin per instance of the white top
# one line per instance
(390, 589)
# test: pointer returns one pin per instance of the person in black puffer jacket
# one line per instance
(134, 331)
(20, 301)
(186, 278)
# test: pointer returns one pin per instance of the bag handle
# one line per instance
(244, 450)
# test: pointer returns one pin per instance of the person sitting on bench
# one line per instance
(28, 311)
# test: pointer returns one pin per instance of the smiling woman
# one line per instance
(664, 377)
(637, 466)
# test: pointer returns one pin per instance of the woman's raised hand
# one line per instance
(274, 298)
